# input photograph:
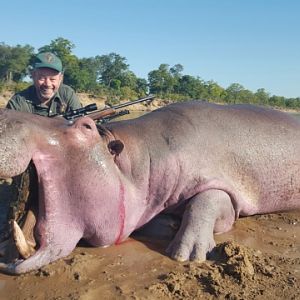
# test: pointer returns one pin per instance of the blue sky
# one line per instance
(255, 43)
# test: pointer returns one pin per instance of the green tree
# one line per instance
(277, 101)
(262, 97)
(128, 79)
(14, 62)
(233, 92)
(110, 75)
(215, 92)
(162, 81)
(246, 96)
(138, 86)
(176, 70)
(192, 87)
(87, 74)
(141, 86)
(111, 67)
(63, 49)
(292, 103)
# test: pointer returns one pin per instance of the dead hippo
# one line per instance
(211, 162)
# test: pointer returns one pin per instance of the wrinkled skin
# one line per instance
(209, 163)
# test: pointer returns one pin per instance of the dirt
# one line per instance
(257, 259)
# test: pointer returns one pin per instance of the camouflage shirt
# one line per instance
(64, 100)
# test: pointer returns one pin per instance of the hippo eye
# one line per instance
(87, 126)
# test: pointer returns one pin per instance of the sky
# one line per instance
(255, 43)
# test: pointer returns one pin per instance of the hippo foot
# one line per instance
(208, 212)
(183, 248)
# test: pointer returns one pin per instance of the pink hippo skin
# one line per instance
(213, 162)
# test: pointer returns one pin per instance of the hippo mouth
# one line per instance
(17, 238)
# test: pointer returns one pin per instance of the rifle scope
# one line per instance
(81, 110)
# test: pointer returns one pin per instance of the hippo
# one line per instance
(207, 163)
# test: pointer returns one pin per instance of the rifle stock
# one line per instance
(100, 114)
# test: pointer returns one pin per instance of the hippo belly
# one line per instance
(210, 163)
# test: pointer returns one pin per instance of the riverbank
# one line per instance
(86, 99)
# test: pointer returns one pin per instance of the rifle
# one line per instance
(102, 115)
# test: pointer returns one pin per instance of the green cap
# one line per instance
(47, 60)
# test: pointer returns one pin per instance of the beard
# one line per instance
(45, 94)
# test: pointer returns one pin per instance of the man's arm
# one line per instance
(11, 104)
(17, 103)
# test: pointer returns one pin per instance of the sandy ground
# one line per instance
(259, 258)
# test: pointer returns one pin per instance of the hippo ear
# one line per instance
(115, 147)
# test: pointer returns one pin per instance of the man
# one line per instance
(48, 95)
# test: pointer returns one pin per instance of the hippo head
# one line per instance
(71, 160)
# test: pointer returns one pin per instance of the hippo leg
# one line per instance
(206, 213)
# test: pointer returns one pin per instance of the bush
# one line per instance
(19, 86)
(2, 86)
(127, 93)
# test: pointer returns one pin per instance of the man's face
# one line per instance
(46, 82)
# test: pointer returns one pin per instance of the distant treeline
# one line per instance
(109, 75)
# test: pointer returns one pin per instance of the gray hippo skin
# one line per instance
(212, 163)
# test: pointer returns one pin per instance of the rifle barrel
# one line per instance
(110, 111)
(133, 102)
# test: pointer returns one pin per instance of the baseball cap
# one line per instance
(47, 60)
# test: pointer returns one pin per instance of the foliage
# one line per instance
(14, 62)
(162, 81)
(109, 76)
(19, 86)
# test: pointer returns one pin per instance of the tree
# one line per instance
(63, 49)
(14, 62)
(214, 91)
(176, 70)
(162, 81)
(141, 86)
(245, 96)
(192, 87)
(262, 97)
(277, 101)
(86, 75)
(5, 55)
(110, 75)
(128, 79)
(233, 92)
(110, 67)
(293, 103)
